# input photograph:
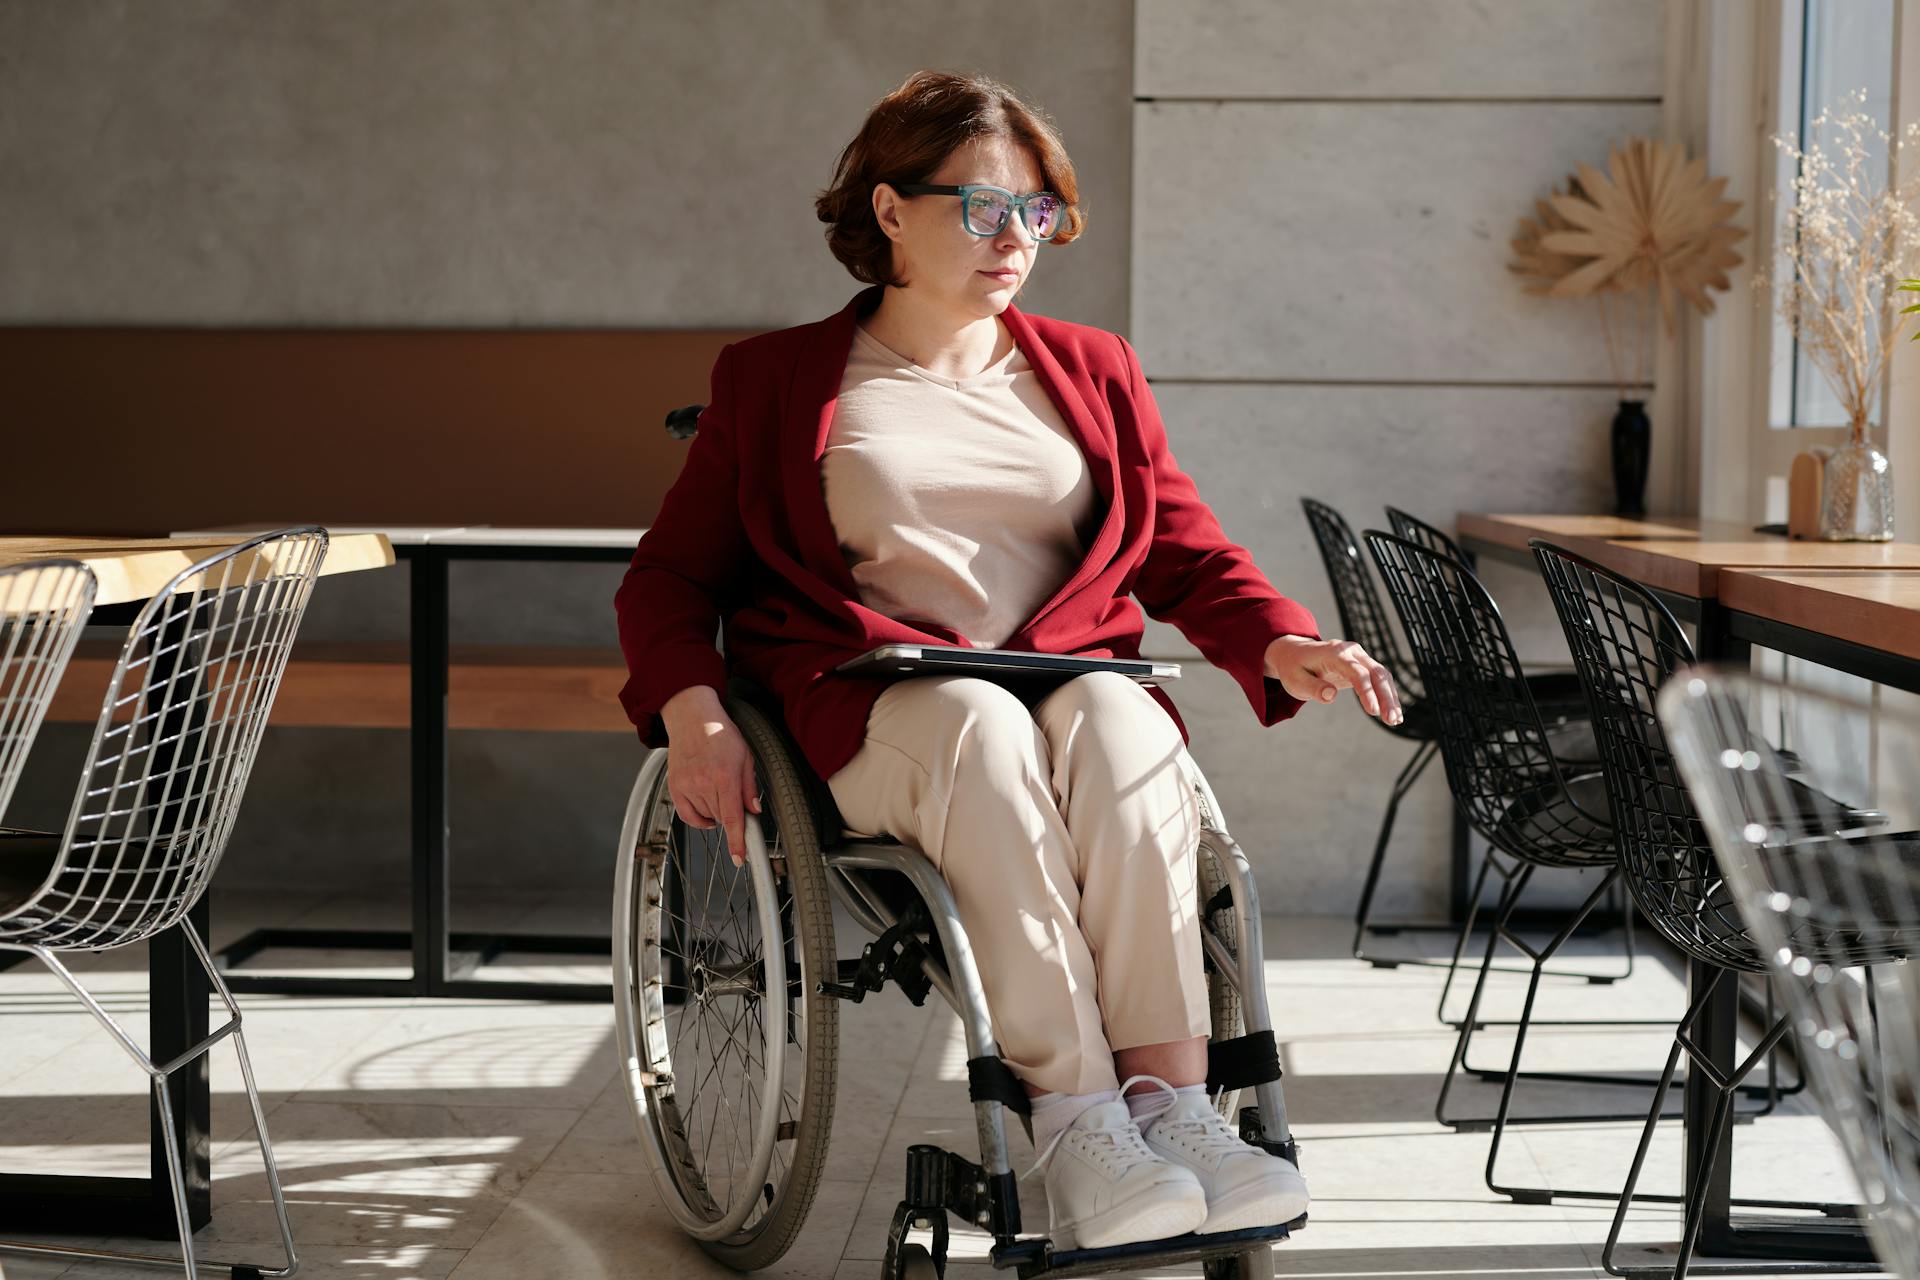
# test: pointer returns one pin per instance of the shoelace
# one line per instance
(1122, 1145)
(1207, 1135)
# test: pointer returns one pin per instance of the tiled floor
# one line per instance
(486, 1139)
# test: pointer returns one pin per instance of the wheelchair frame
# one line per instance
(941, 1182)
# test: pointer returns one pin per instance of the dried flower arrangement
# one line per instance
(1848, 242)
(1653, 225)
(1849, 239)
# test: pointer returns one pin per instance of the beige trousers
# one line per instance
(1068, 832)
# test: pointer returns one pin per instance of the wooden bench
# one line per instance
(572, 689)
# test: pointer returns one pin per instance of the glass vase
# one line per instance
(1858, 503)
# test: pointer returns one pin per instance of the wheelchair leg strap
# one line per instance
(992, 1080)
(1242, 1062)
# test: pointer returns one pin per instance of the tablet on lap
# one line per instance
(927, 659)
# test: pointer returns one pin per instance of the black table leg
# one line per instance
(430, 936)
(1718, 1027)
(180, 992)
(432, 656)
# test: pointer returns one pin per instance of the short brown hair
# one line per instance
(907, 137)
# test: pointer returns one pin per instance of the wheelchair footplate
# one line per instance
(1038, 1257)
(940, 1182)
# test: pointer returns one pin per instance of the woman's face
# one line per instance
(936, 255)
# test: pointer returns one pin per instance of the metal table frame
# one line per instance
(443, 961)
(1727, 636)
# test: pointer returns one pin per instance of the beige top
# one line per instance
(966, 502)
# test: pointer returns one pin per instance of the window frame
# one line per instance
(1722, 83)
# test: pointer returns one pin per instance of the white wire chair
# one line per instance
(159, 790)
(1836, 915)
(43, 606)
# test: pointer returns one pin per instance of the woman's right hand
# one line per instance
(709, 767)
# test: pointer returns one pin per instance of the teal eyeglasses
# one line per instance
(984, 209)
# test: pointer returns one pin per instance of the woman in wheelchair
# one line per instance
(934, 465)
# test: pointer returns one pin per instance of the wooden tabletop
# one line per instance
(131, 569)
(1875, 609)
(1682, 554)
(472, 535)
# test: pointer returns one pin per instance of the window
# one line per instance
(1828, 49)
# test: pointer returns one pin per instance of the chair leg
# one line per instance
(1488, 864)
(272, 1166)
(177, 1179)
(1626, 1196)
(1363, 923)
(1696, 1193)
(1593, 979)
(1363, 914)
(266, 1157)
(1502, 929)
(1509, 893)
(157, 1076)
(1503, 1117)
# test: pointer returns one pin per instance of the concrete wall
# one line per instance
(485, 162)
(1323, 197)
(1299, 212)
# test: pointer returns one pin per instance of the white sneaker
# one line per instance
(1245, 1186)
(1105, 1187)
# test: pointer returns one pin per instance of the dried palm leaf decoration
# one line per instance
(1653, 223)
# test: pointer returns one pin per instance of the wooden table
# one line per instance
(1679, 556)
(445, 962)
(1863, 621)
(129, 572)
(1840, 604)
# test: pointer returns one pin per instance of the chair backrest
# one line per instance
(171, 752)
(1626, 644)
(43, 606)
(1363, 618)
(1821, 899)
(1492, 739)
(1432, 537)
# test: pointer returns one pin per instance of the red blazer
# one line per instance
(744, 536)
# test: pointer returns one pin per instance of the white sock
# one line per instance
(1053, 1112)
(1148, 1104)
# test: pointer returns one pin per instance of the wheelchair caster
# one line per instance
(905, 1260)
(1257, 1264)
(913, 1262)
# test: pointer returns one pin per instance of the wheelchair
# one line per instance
(727, 982)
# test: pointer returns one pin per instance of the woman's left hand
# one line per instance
(1316, 671)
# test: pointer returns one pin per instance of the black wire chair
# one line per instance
(1515, 790)
(1557, 691)
(1626, 645)
(1365, 620)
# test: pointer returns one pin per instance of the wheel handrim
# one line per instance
(706, 1072)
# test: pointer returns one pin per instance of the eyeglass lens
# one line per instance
(987, 213)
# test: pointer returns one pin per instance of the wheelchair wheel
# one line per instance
(732, 1091)
(1223, 997)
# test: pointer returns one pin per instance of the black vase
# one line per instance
(1632, 449)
